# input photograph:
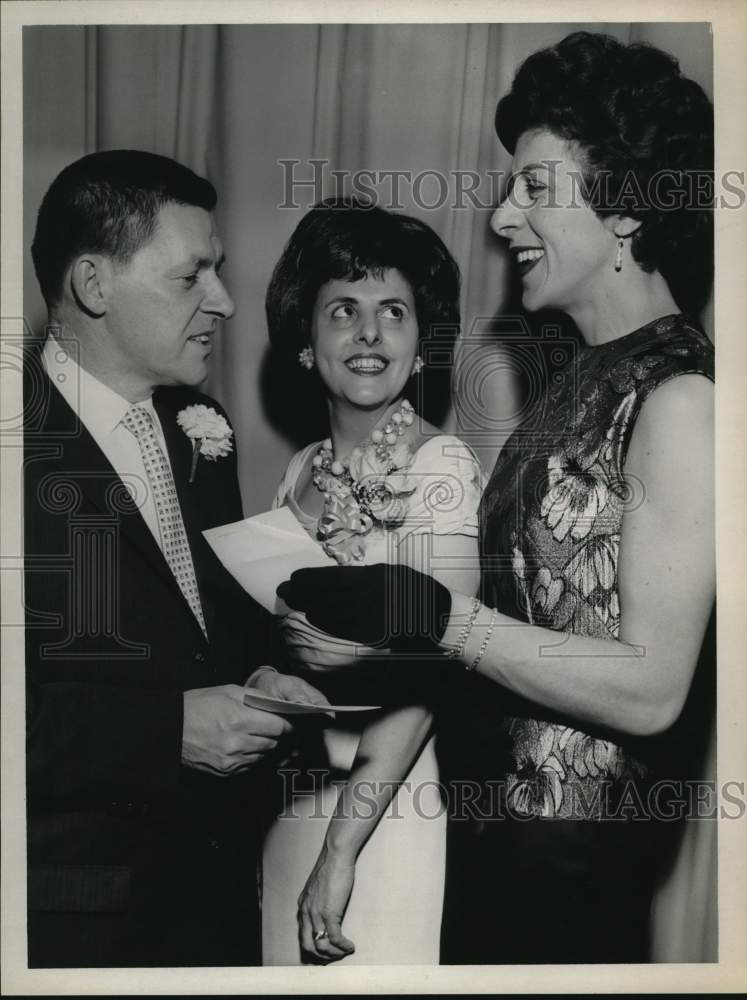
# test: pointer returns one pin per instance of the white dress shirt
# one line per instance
(101, 410)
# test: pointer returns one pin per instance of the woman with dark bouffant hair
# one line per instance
(590, 645)
(357, 297)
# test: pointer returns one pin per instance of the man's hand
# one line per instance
(286, 687)
(222, 735)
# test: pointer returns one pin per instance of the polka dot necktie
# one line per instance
(174, 542)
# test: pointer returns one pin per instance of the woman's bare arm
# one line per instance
(388, 747)
(666, 573)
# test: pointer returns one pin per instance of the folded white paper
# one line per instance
(262, 551)
(254, 699)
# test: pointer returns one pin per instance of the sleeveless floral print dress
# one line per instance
(534, 873)
(552, 512)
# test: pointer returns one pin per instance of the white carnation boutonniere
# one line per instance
(209, 432)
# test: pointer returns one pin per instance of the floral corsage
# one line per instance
(209, 432)
(371, 490)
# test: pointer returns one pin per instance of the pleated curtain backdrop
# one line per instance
(232, 102)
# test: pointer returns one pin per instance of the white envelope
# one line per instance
(262, 551)
(255, 699)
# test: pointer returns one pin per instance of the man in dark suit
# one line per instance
(144, 766)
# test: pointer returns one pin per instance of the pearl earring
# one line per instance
(619, 256)
(417, 366)
(306, 358)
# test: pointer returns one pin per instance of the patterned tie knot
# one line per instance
(138, 421)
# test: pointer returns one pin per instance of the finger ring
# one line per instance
(320, 935)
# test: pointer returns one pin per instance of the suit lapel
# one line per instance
(84, 463)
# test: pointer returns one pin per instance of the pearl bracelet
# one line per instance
(484, 643)
(458, 649)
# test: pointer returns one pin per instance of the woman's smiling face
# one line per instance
(365, 337)
(564, 251)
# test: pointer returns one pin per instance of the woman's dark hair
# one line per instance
(108, 203)
(348, 239)
(644, 137)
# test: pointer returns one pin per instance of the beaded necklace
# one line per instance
(381, 444)
(375, 491)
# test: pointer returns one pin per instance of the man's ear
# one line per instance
(90, 280)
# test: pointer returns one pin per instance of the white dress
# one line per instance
(394, 913)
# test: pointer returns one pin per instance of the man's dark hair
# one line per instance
(108, 203)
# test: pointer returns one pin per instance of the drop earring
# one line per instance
(417, 366)
(306, 358)
(619, 256)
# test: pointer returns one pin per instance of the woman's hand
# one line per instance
(322, 905)
(316, 650)
(378, 605)
(285, 687)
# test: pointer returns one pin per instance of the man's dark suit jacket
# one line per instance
(133, 859)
